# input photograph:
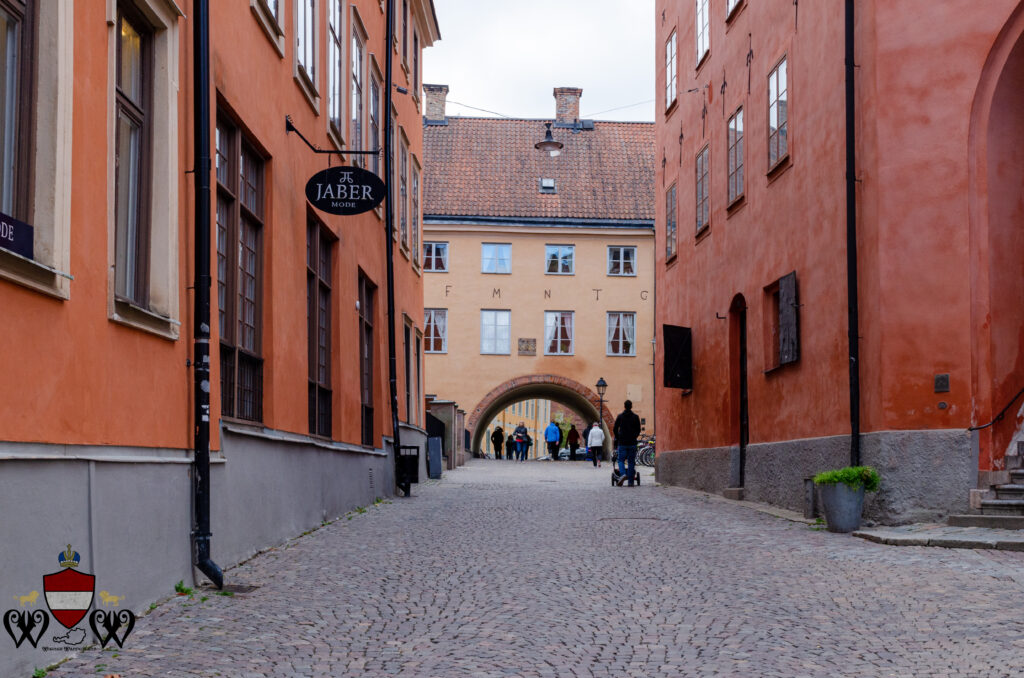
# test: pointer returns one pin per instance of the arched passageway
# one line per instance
(568, 392)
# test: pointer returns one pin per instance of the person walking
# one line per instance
(521, 435)
(553, 436)
(497, 440)
(595, 443)
(626, 430)
(573, 438)
(510, 447)
(529, 444)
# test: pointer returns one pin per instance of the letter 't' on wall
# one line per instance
(678, 344)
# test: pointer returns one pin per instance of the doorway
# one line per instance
(738, 377)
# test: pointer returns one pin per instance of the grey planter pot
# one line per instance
(842, 506)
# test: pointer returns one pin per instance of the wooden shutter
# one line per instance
(678, 343)
(789, 320)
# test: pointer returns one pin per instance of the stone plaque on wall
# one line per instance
(527, 346)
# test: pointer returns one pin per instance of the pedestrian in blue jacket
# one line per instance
(553, 436)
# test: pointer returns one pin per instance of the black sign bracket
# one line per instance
(289, 126)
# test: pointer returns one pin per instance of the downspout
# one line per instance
(853, 322)
(201, 318)
(389, 229)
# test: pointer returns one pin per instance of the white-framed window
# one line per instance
(621, 260)
(702, 28)
(735, 143)
(670, 70)
(778, 114)
(559, 259)
(336, 66)
(495, 332)
(435, 257)
(435, 334)
(373, 133)
(621, 333)
(558, 336)
(305, 40)
(415, 210)
(355, 118)
(495, 257)
(703, 203)
(730, 6)
(671, 207)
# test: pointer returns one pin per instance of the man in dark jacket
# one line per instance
(497, 440)
(626, 430)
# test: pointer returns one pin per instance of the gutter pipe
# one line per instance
(853, 322)
(201, 310)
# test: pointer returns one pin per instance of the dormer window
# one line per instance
(547, 186)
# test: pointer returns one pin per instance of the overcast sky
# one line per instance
(507, 57)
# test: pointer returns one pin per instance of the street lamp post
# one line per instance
(602, 386)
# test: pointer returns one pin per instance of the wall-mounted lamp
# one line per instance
(549, 144)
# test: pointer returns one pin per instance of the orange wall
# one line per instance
(916, 84)
(257, 85)
(68, 373)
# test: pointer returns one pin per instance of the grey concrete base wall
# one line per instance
(926, 475)
(128, 513)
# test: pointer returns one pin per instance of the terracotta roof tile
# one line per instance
(488, 167)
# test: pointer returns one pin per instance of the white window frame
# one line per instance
(671, 70)
(493, 318)
(433, 245)
(731, 6)
(558, 254)
(734, 145)
(702, 29)
(621, 249)
(619, 316)
(306, 51)
(778, 91)
(357, 89)
(430, 318)
(497, 249)
(556, 318)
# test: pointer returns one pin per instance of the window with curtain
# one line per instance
(621, 260)
(496, 332)
(495, 258)
(435, 257)
(435, 322)
(335, 65)
(559, 259)
(305, 41)
(558, 327)
(621, 333)
(778, 115)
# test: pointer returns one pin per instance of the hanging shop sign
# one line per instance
(16, 236)
(345, 190)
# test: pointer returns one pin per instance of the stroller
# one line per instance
(618, 480)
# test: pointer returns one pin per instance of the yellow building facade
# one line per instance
(538, 268)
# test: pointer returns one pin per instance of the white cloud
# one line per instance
(509, 56)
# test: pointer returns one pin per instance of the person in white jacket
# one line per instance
(595, 443)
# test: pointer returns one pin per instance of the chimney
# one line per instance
(567, 104)
(435, 96)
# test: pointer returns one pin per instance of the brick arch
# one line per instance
(557, 388)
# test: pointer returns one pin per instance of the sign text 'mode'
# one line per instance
(16, 236)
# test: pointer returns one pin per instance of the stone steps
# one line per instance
(1002, 507)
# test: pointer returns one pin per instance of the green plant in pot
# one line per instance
(842, 495)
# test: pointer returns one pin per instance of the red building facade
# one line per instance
(752, 246)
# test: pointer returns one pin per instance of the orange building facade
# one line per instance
(96, 270)
(752, 247)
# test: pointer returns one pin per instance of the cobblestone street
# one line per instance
(543, 569)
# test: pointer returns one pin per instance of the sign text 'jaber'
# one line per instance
(345, 190)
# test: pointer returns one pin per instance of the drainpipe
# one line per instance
(853, 323)
(389, 226)
(201, 319)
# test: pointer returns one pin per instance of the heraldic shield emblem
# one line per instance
(69, 593)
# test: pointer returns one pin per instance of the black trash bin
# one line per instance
(407, 468)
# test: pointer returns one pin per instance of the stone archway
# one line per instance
(568, 392)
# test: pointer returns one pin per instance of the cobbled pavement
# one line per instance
(544, 570)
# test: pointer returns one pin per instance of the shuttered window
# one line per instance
(782, 322)
(678, 356)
